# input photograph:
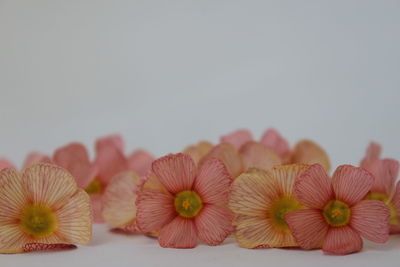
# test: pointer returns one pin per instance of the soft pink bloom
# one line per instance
(338, 216)
(31, 158)
(5, 163)
(304, 152)
(94, 176)
(185, 203)
(384, 187)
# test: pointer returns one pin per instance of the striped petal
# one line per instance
(180, 233)
(342, 240)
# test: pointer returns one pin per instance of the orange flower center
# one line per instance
(394, 216)
(95, 187)
(38, 221)
(337, 213)
(188, 204)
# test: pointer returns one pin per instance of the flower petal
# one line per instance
(213, 181)
(5, 163)
(74, 158)
(308, 227)
(155, 209)
(259, 232)
(229, 155)
(74, 219)
(252, 193)
(372, 153)
(257, 155)
(342, 240)
(308, 152)
(48, 184)
(198, 151)
(214, 224)
(351, 184)
(96, 202)
(175, 171)
(396, 199)
(285, 177)
(12, 198)
(35, 157)
(110, 159)
(140, 162)
(180, 233)
(12, 239)
(371, 219)
(313, 187)
(274, 140)
(237, 138)
(119, 199)
(385, 172)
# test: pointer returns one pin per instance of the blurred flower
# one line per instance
(384, 187)
(42, 208)
(31, 158)
(185, 203)
(198, 151)
(337, 216)
(260, 199)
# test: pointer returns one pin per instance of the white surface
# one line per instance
(112, 249)
(168, 73)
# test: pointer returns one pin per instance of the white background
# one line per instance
(169, 73)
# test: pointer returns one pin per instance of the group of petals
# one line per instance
(265, 193)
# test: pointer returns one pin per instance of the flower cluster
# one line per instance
(264, 193)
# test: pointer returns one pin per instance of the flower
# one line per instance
(188, 204)
(304, 152)
(198, 151)
(95, 176)
(119, 208)
(337, 216)
(31, 158)
(42, 208)
(260, 199)
(384, 188)
(5, 163)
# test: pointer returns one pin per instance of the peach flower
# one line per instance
(338, 216)
(42, 208)
(185, 203)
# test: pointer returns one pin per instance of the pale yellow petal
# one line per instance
(198, 151)
(255, 154)
(308, 152)
(229, 155)
(286, 175)
(12, 199)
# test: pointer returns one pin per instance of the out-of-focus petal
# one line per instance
(198, 151)
(274, 140)
(308, 152)
(35, 157)
(385, 172)
(140, 162)
(237, 138)
(372, 153)
(255, 154)
(5, 163)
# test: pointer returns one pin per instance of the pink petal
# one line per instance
(110, 159)
(394, 229)
(342, 240)
(237, 138)
(180, 233)
(308, 227)
(35, 157)
(175, 171)
(75, 158)
(308, 152)
(214, 224)
(4, 163)
(140, 162)
(313, 187)
(29, 247)
(371, 219)
(257, 155)
(274, 140)
(396, 198)
(385, 172)
(372, 153)
(213, 181)
(229, 155)
(351, 184)
(96, 202)
(155, 209)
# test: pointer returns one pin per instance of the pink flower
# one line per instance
(95, 176)
(198, 151)
(337, 216)
(189, 204)
(304, 152)
(384, 188)
(31, 158)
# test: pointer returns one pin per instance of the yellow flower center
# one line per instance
(38, 221)
(337, 213)
(188, 204)
(95, 187)
(394, 216)
(279, 208)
